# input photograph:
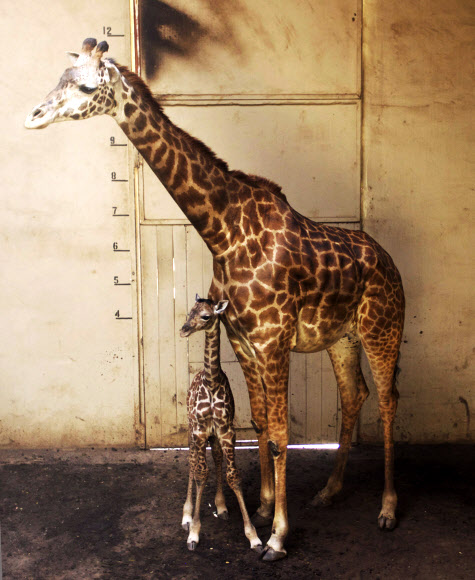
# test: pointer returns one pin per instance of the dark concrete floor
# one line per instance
(116, 514)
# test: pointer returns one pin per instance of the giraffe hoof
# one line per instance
(258, 549)
(224, 515)
(387, 523)
(191, 546)
(261, 521)
(186, 526)
(321, 500)
(271, 555)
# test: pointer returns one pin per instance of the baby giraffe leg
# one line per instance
(219, 500)
(188, 507)
(232, 475)
(200, 474)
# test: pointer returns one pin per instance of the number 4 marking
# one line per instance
(119, 317)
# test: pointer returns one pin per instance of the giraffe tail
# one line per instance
(397, 370)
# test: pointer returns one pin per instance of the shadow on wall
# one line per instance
(166, 31)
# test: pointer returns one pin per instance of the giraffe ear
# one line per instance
(197, 297)
(73, 57)
(113, 71)
(221, 306)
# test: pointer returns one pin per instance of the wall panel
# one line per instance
(249, 48)
(417, 201)
(272, 90)
(68, 367)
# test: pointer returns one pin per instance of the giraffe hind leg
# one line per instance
(383, 370)
(344, 356)
(188, 507)
(380, 330)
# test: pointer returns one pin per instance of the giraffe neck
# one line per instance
(196, 179)
(212, 355)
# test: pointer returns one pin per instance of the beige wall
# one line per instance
(68, 369)
(417, 201)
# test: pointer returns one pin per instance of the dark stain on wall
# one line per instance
(166, 31)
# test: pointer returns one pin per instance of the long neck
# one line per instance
(198, 181)
(211, 354)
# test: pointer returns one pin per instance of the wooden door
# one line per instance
(274, 93)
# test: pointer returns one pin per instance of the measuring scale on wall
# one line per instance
(121, 194)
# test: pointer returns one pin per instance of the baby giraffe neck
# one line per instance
(212, 355)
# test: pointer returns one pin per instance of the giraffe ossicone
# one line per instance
(292, 284)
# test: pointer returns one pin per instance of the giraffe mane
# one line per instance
(259, 182)
(146, 94)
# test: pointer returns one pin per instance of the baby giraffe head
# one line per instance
(86, 89)
(203, 316)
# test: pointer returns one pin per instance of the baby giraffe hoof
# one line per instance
(261, 521)
(186, 526)
(224, 515)
(191, 545)
(387, 523)
(271, 555)
(321, 500)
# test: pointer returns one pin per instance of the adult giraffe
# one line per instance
(292, 284)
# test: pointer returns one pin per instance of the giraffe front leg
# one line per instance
(219, 500)
(200, 475)
(275, 374)
(257, 398)
(188, 506)
(265, 512)
(228, 440)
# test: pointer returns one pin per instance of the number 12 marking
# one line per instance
(107, 30)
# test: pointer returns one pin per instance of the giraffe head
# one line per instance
(86, 89)
(203, 315)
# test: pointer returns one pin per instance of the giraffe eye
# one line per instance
(205, 316)
(87, 90)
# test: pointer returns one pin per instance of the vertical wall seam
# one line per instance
(174, 325)
(363, 173)
(141, 432)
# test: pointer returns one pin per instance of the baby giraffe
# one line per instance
(210, 407)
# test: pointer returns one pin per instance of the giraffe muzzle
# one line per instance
(40, 117)
(185, 331)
